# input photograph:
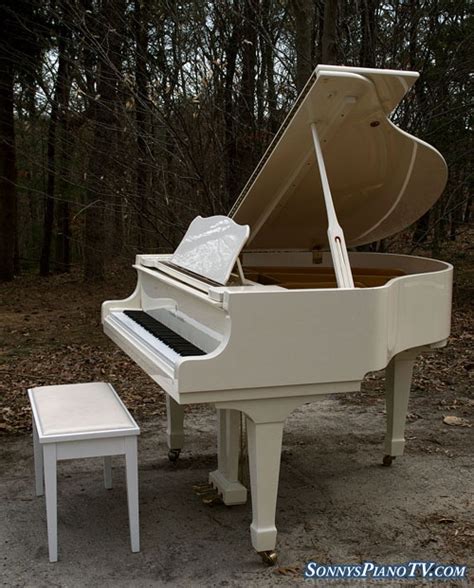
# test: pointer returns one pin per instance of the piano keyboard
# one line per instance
(164, 334)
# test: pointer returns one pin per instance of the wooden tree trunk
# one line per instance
(230, 52)
(141, 54)
(100, 172)
(48, 218)
(329, 46)
(369, 34)
(267, 44)
(303, 15)
(422, 227)
(60, 99)
(63, 236)
(8, 196)
(246, 111)
(65, 146)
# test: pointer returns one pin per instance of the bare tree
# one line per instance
(100, 171)
(303, 14)
(141, 57)
(369, 32)
(8, 173)
(58, 110)
(328, 41)
(18, 47)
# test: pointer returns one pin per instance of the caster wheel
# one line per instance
(268, 557)
(173, 455)
(387, 460)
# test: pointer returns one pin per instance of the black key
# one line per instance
(177, 343)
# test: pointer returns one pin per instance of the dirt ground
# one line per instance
(336, 504)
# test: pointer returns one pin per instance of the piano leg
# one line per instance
(397, 391)
(264, 445)
(226, 478)
(265, 421)
(174, 430)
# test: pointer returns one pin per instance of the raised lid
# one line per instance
(211, 247)
(382, 179)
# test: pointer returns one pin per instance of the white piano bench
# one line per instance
(77, 421)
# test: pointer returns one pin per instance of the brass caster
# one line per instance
(212, 499)
(268, 557)
(201, 489)
(173, 455)
(387, 460)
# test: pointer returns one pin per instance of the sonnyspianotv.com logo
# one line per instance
(427, 570)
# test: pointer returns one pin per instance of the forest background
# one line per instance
(121, 120)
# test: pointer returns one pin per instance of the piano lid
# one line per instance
(382, 179)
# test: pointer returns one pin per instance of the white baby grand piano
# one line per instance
(294, 321)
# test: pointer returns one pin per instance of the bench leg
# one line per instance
(108, 472)
(50, 480)
(131, 464)
(38, 455)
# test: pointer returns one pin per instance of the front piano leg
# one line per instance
(226, 478)
(264, 446)
(265, 421)
(174, 430)
(397, 391)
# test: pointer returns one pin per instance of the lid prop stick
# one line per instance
(336, 239)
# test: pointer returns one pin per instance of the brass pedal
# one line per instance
(212, 499)
(201, 489)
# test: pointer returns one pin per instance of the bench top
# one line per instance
(80, 411)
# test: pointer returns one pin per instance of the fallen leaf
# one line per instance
(288, 570)
(456, 421)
